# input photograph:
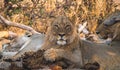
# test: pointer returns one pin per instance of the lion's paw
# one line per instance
(50, 55)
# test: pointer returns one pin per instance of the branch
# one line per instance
(22, 26)
(82, 28)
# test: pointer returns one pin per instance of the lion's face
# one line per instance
(62, 31)
(103, 31)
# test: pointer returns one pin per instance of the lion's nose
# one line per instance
(97, 32)
(61, 35)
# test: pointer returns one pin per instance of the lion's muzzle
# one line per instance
(61, 40)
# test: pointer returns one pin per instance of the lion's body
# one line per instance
(108, 57)
(65, 48)
(75, 50)
(32, 44)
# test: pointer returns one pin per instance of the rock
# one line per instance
(5, 65)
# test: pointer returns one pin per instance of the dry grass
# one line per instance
(39, 13)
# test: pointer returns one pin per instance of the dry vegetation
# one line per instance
(39, 13)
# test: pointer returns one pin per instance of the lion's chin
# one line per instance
(61, 42)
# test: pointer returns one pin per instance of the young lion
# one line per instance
(110, 27)
(62, 41)
(112, 31)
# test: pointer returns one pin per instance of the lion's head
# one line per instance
(61, 31)
(110, 26)
(105, 31)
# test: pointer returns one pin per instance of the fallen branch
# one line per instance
(82, 28)
(22, 26)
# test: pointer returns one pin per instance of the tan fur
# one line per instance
(108, 57)
(32, 43)
(62, 25)
(78, 51)
(112, 31)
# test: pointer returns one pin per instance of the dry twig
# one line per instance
(22, 26)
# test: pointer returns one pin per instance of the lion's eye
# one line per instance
(106, 25)
(67, 27)
(56, 26)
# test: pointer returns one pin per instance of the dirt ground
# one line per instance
(35, 60)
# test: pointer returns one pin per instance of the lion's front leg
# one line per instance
(53, 54)
(56, 54)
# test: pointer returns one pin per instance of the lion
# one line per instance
(62, 41)
(112, 31)
(107, 57)
(110, 28)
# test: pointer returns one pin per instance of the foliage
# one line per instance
(39, 13)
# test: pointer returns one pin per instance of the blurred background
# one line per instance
(39, 13)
